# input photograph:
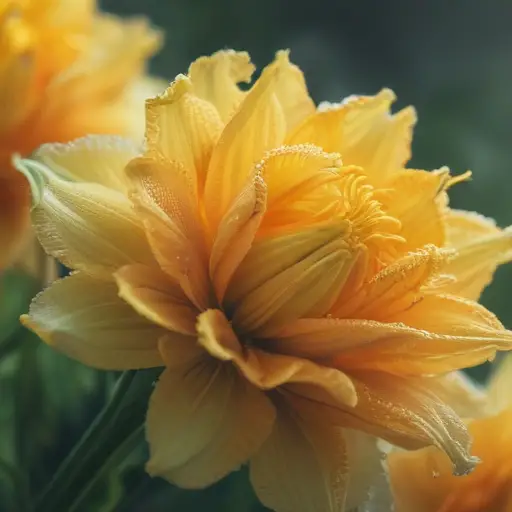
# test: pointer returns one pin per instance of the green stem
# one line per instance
(89, 448)
(109, 464)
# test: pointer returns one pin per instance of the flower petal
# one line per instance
(499, 396)
(153, 295)
(215, 79)
(14, 216)
(85, 319)
(461, 393)
(95, 159)
(302, 466)
(285, 277)
(421, 480)
(302, 186)
(171, 223)
(257, 126)
(416, 199)
(265, 370)
(368, 486)
(481, 247)
(364, 132)
(406, 413)
(436, 335)
(236, 234)
(85, 225)
(183, 128)
(291, 91)
(395, 288)
(203, 422)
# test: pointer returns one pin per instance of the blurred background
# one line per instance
(451, 60)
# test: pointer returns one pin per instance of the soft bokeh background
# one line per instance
(451, 60)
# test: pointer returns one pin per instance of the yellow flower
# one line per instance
(65, 71)
(422, 481)
(299, 304)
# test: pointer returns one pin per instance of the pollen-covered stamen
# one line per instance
(371, 226)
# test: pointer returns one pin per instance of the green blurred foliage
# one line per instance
(451, 60)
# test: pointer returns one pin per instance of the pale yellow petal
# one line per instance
(499, 388)
(461, 393)
(266, 370)
(183, 128)
(155, 296)
(405, 412)
(215, 79)
(481, 247)
(286, 277)
(203, 422)
(416, 199)
(94, 158)
(363, 131)
(84, 318)
(368, 485)
(257, 126)
(236, 234)
(292, 91)
(87, 226)
(463, 227)
(302, 466)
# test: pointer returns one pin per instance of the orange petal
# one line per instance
(86, 226)
(183, 128)
(14, 217)
(421, 480)
(236, 234)
(302, 466)
(436, 335)
(85, 319)
(266, 370)
(95, 158)
(257, 126)
(153, 295)
(364, 132)
(203, 422)
(481, 247)
(406, 413)
(215, 79)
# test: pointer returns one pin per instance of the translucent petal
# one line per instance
(215, 79)
(203, 422)
(84, 318)
(302, 466)
(155, 296)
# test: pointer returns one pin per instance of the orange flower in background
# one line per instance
(65, 71)
(305, 292)
(422, 481)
